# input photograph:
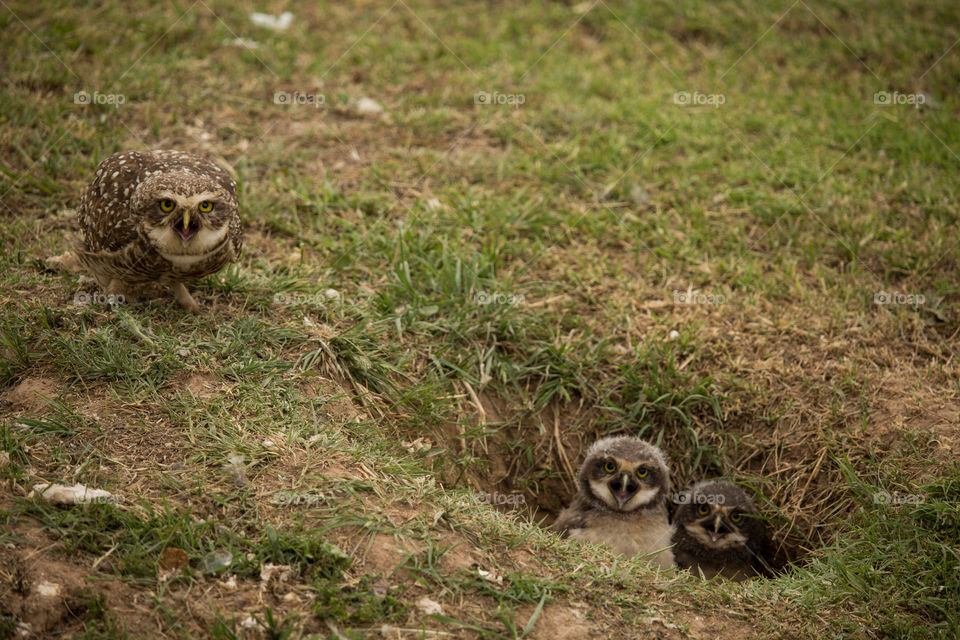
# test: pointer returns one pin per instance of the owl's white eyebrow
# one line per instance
(192, 200)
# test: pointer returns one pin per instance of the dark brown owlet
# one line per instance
(720, 531)
(622, 489)
(164, 217)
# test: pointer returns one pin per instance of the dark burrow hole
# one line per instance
(521, 470)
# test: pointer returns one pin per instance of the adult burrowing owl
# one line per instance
(158, 217)
(622, 489)
(720, 531)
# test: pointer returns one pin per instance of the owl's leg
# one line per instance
(116, 292)
(184, 298)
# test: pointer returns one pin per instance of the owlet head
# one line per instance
(625, 474)
(183, 213)
(719, 515)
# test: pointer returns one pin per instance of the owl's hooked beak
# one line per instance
(186, 228)
(625, 489)
(719, 528)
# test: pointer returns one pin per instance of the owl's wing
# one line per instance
(133, 263)
(236, 237)
(764, 552)
(573, 517)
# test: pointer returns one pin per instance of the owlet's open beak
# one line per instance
(624, 490)
(719, 529)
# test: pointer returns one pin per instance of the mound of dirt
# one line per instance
(28, 396)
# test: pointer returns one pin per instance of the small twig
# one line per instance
(385, 629)
(366, 470)
(483, 414)
(336, 632)
(560, 450)
(476, 401)
(97, 562)
(813, 474)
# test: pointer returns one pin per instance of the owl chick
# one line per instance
(162, 217)
(622, 489)
(720, 531)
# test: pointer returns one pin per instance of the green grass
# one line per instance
(508, 284)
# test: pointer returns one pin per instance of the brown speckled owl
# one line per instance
(622, 489)
(720, 531)
(162, 217)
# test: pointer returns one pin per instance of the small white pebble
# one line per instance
(277, 23)
(674, 334)
(331, 294)
(368, 106)
(48, 589)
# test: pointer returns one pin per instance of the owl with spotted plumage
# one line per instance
(622, 490)
(164, 217)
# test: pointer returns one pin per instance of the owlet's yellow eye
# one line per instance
(642, 472)
(610, 466)
(167, 205)
(736, 517)
(703, 509)
(205, 207)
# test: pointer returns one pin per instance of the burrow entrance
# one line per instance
(526, 461)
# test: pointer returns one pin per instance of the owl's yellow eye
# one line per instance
(642, 472)
(703, 509)
(205, 207)
(610, 466)
(167, 205)
(736, 517)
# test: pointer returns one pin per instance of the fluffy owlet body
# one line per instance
(720, 531)
(622, 489)
(162, 217)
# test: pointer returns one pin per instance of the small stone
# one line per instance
(429, 607)
(368, 106)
